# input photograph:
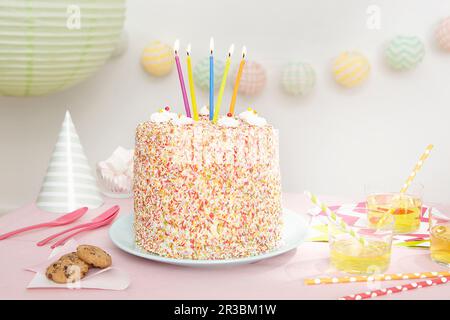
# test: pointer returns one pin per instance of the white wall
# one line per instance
(332, 142)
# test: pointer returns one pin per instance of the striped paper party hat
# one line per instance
(69, 183)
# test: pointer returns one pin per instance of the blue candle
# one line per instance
(211, 80)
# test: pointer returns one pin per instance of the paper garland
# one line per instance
(298, 78)
(443, 34)
(351, 68)
(157, 59)
(253, 78)
(405, 52)
(44, 48)
(201, 73)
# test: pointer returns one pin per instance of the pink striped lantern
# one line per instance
(253, 78)
(443, 34)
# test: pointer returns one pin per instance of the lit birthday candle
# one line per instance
(191, 82)
(176, 46)
(222, 85)
(211, 79)
(238, 80)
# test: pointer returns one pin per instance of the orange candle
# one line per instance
(238, 80)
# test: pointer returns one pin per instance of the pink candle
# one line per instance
(176, 46)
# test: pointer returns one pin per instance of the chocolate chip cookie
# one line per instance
(94, 256)
(73, 258)
(67, 269)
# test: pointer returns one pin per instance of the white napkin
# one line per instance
(107, 279)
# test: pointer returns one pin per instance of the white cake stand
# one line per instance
(294, 232)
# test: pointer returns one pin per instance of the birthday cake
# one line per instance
(207, 190)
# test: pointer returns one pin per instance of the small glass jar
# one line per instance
(440, 237)
(406, 208)
(347, 254)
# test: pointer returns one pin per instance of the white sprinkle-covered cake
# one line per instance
(205, 190)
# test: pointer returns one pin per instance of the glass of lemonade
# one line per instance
(440, 237)
(347, 254)
(407, 207)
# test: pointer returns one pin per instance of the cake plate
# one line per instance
(295, 227)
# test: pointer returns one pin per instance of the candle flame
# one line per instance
(188, 49)
(211, 45)
(230, 52)
(176, 46)
(244, 52)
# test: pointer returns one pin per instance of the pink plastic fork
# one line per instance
(91, 227)
(104, 216)
(62, 220)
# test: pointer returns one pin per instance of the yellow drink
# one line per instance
(440, 243)
(349, 256)
(407, 210)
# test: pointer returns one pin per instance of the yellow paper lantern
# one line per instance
(47, 46)
(158, 59)
(351, 68)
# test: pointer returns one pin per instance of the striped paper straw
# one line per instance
(335, 218)
(417, 167)
(379, 277)
(408, 181)
(397, 289)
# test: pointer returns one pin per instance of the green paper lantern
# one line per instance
(49, 45)
(298, 78)
(201, 73)
(405, 52)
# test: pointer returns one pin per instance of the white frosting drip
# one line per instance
(159, 117)
(182, 120)
(256, 121)
(162, 116)
(204, 111)
(228, 122)
(252, 118)
(246, 114)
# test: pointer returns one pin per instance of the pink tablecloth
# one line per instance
(277, 278)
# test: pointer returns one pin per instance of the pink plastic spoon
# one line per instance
(62, 220)
(91, 227)
(104, 216)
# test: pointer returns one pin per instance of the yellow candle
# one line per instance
(191, 82)
(222, 85)
(238, 79)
